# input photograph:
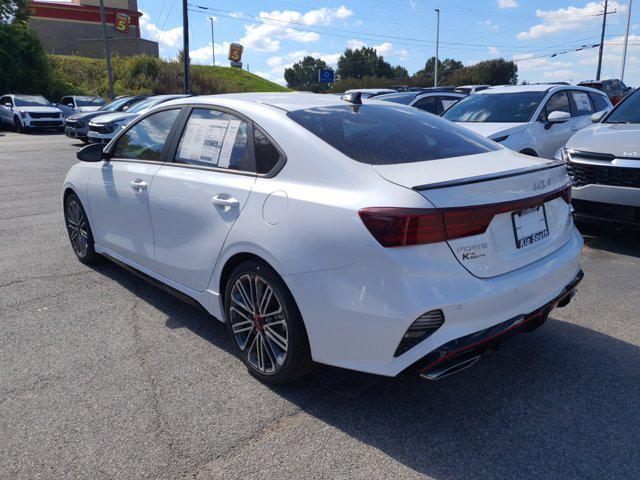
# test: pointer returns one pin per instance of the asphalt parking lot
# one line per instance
(105, 376)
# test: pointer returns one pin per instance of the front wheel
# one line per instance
(18, 125)
(79, 230)
(265, 324)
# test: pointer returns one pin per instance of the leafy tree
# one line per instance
(25, 66)
(488, 72)
(364, 62)
(14, 11)
(445, 68)
(399, 72)
(303, 75)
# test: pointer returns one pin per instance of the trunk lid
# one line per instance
(515, 237)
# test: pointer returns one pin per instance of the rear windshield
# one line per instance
(389, 134)
(495, 107)
(89, 101)
(404, 98)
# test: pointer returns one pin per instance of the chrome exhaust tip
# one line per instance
(449, 369)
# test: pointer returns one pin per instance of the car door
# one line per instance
(549, 138)
(197, 197)
(3, 109)
(119, 189)
(6, 110)
(66, 105)
(581, 110)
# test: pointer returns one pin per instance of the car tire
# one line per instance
(60, 129)
(79, 230)
(265, 325)
(18, 125)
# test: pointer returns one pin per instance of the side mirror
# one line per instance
(8, 105)
(54, 104)
(596, 117)
(556, 117)
(92, 153)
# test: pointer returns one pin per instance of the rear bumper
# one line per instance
(463, 351)
(356, 316)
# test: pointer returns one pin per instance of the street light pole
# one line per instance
(107, 51)
(185, 45)
(435, 76)
(604, 26)
(626, 41)
(213, 42)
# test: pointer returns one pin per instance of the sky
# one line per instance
(277, 33)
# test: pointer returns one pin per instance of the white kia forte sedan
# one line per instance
(374, 237)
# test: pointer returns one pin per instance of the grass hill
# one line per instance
(144, 74)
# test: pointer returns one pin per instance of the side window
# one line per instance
(4, 101)
(448, 102)
(68, 101)
(146, 139)
(216, 139)
(580, 103)
(559, 102)
(428, 104)
(599, 102)
(267, 155)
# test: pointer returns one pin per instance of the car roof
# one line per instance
(536, 87)
(287, 101)
(370, 90)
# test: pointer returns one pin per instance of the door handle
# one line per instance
(225, 200)
(139, 185)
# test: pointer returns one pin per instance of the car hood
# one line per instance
(88, 109)
(492, 130)
(619, 139)
(113, 117)
(39, 109)
(85, 115)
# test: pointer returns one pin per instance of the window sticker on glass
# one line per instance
(209, 140)
(582, 101)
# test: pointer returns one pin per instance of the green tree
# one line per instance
(364, 62)
(445, 68)
(25, 65)
(488, 72)
(14, 11)
(303, 75)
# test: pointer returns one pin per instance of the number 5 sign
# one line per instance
(121, 23)
(235, 52)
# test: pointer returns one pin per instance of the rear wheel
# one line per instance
(79, 230)
(265, 325)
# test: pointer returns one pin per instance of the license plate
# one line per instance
(530, 226)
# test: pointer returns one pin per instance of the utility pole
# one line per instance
(107, 52)
(626, 41)
(435, 76)
(604, 26)
(213, 43)
(185, 46)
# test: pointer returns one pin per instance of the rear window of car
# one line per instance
(388, 135)
(599, 102)
(404, 98)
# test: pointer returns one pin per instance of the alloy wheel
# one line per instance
(77, 227)
(259, 323)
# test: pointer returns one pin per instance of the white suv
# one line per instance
(535, 120)
(29, 111)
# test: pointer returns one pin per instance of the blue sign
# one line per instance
(326, 76)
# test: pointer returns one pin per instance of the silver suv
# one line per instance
(604, 164)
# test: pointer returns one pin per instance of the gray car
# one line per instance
(604, 164)
(77, 125)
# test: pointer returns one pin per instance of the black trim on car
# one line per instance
(485, 178)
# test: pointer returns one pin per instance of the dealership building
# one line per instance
(74, 27)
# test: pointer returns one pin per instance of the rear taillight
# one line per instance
(398, 227)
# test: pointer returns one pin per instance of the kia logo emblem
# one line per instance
(542, 184)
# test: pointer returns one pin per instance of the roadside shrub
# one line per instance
(24, 66)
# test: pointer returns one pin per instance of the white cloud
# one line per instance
(494, 51)
(203, 55)
(386, 49)
(274, 61)
(490, 25)
(359, 23)
(507, 3)
(277, 25)
(355, 44)
(564, 19)
(166, 38)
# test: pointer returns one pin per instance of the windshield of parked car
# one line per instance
(388, 135)
(403, 98)
(148, 103)
(115, 105)
(495, 107)
(31, 101)
(628, 111)
(89, 101)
